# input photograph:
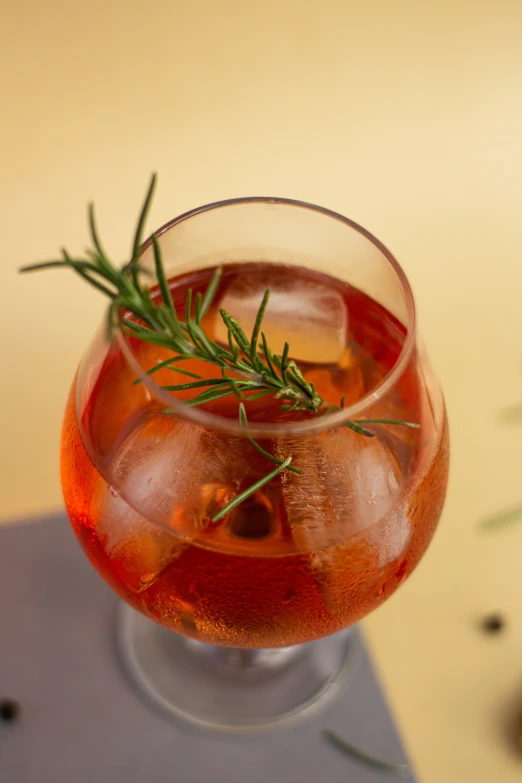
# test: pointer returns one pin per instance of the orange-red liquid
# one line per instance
(307, 555)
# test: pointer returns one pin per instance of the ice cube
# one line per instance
(348, 483)
(343, 572)
(176, 473)
(141, 549)
(345, 511)
(309, 315)
(171, 478)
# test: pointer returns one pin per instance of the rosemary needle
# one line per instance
(350, 750)
(250, 491)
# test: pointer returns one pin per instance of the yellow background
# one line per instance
(405, 116)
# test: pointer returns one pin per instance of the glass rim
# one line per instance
(313, 425)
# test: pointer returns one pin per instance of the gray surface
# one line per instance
(83, 723)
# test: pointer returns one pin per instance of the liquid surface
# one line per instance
(307, 555)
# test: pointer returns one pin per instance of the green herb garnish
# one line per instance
(355, 753)
(504, 518)
(247, 368)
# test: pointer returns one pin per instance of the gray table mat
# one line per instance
(82, 722)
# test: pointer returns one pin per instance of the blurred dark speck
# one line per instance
(493, 623)
(9, 709)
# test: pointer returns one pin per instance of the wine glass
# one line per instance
(241, 621)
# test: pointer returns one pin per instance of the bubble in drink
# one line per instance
(309, 315)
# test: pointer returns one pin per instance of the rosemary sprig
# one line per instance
(504, 518)
(350, 750)
(513, 413)
(248, 368)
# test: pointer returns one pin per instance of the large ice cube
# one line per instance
(348, 483)
(171, 477)
(345, 510)
(309, 315)
(142, 549)
(176, 473)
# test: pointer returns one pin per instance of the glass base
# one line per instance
(228, 689)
